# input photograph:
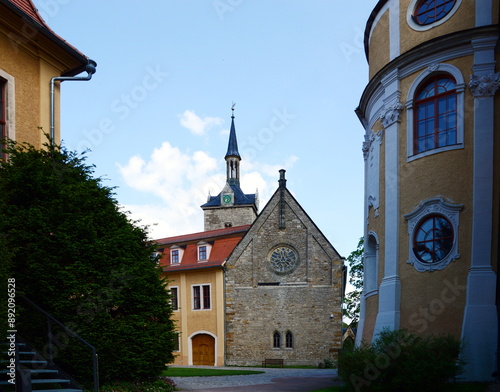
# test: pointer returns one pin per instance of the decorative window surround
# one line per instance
(427, 208)
(459, 89)
(417, 27)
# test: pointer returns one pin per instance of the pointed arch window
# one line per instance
(289, 340)
(276, 340)
(435, 114)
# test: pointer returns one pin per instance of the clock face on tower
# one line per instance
(227, 199)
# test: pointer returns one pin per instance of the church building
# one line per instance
(432, 174)
(254, 286)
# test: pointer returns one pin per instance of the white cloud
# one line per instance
(182, 181)
(197, 125)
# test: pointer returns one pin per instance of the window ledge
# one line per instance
(434, 151)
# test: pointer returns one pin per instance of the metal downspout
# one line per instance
(90, 69)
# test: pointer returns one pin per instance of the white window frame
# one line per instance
(172, 250)
(178, 292)
(179, 342)
(10, 104)
(208, 250)
(417, 27)
(426, 209)
(201, 285)
(460, 93)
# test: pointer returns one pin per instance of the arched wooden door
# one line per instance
(203, 350)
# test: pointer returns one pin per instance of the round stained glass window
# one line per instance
(430, 11)
(433, 240)
(283, 259)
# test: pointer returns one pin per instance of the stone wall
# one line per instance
(304, 300)
(219, 218)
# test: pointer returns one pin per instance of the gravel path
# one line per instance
(200, 383)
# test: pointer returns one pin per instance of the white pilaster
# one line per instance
(480, 324)
(390, 289)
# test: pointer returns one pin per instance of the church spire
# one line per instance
(232, 157)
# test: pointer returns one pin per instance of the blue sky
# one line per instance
(156, 114)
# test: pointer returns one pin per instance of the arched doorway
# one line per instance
(203, 347)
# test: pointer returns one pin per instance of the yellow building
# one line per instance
(33, 61)
(194, 266)
(432, 186)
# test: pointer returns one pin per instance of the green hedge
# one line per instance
(399, 361)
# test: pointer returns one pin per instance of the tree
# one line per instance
(352, 299)
(79, 257)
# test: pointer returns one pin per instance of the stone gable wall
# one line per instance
(260, 302)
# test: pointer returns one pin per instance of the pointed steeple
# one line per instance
(232, 157)
(231, 207)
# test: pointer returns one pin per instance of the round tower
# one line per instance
(432, 173)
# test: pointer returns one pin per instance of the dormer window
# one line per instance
(204, 251)
(176, 253)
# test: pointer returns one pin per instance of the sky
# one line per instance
(155, 118)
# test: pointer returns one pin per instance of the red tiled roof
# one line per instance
(29, 8)
(223, 241)
(203, 235)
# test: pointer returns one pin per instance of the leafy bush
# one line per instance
(329, 363)
(76, 255)
(401, 362)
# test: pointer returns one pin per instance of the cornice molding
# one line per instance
(424, 55)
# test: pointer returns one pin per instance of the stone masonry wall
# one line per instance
(260, 301)
(218, 218)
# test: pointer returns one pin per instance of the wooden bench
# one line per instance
(273, 362)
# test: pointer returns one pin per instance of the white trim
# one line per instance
(10, 104)
(208, 250)
(417, 27)
(179, 342)
(200, 285)
(178, 300)
(480, 322)
(389, 299)
(190, 345)
(459, 88)
(484, 12)
(394, 30)
(436, 206)
(370, 263)
(180, 254)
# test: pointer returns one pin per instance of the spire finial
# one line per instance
(232, 109)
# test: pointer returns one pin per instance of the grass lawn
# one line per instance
(459, 387)
(196, 372)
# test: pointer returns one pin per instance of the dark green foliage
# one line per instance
(77, 256)
(401, 362)
(352, 299)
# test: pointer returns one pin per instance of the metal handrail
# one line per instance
(69, 331)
